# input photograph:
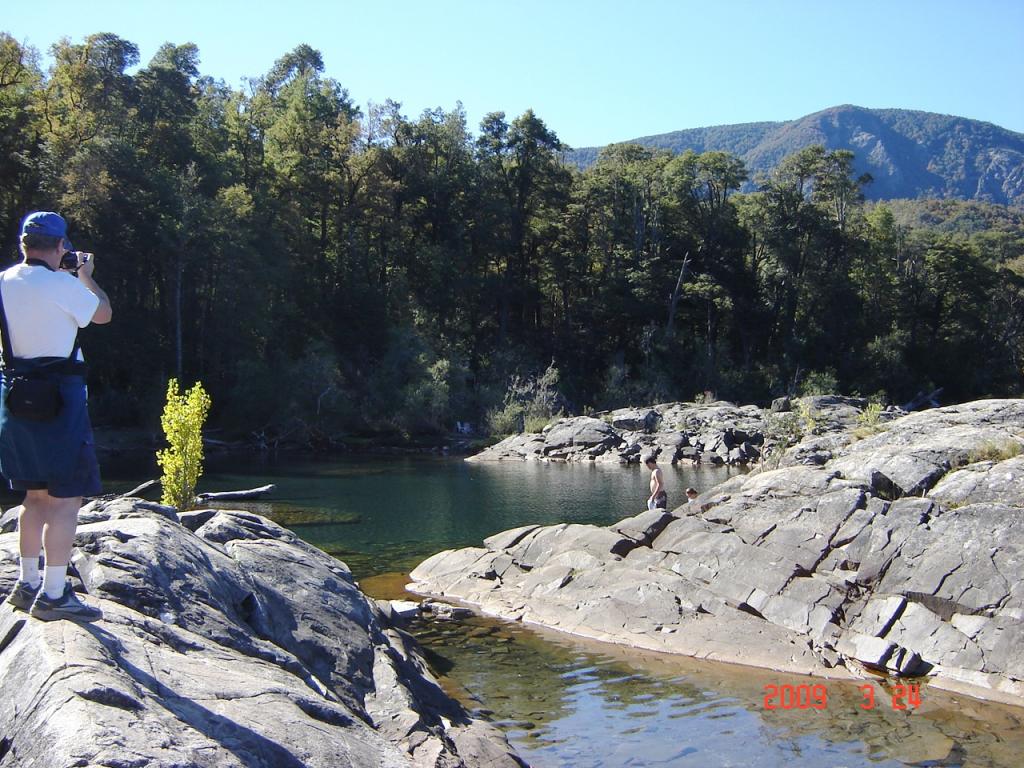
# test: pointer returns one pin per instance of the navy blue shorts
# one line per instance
(84, 481)
(59, 455)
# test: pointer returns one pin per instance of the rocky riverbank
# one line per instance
(898, 549)
(226, 641)
(711, 433)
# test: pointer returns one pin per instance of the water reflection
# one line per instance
(568, 702)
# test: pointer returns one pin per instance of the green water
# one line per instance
(566, 702)
(388, 515)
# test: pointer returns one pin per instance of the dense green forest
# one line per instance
(329, 270)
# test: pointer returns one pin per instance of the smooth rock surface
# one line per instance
(236, 645)
(902, 552)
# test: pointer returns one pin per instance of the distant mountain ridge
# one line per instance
(908, 153)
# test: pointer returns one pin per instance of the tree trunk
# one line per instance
(177, 315)
(669, 330)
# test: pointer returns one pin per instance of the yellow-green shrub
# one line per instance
(182, 462)
(869, 422)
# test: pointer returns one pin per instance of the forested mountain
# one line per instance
(908, 153)
(326, 269)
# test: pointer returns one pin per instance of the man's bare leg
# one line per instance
(59, 532)
(58, 539)
(31, 520)
(56, 600)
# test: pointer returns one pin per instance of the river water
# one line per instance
(568, 702)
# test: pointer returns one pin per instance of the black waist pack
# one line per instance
(34, 398)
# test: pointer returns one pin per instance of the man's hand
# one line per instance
(86, 264)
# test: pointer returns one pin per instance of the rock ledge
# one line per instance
(226, 643)
(902, 552)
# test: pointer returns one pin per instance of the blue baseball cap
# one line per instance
(47, 223)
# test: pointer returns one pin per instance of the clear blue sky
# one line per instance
(597, 71)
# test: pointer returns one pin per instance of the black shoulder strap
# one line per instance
(5, 334)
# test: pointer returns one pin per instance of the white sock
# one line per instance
(30, 571)
(53, 583)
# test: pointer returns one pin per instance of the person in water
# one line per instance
(658, 498)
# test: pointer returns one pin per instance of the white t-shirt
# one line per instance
(44, 310)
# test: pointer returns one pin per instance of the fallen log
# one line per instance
(138, 489)
(252, 493)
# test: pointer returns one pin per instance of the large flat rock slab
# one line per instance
(233, 645)
(902, 552)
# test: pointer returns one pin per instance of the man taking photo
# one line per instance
(46, 443)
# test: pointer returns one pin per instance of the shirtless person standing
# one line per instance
(658, 498)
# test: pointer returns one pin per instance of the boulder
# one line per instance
(9, 519)
(635, 419)
(235, 645)
(579, 432)
(644, 527)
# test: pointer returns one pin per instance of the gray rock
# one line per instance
(842, 555)
(397, 612)
(535, 549)
(621, 436)
(247, 648)
(688, 454)
(644, 527)
(509, 538)
(987, 481)
(962, 561)
(9, 519)
(194, 519)
(904, 663)
(879, 615)
(834, 408)
(452, 566)
(137, 691)
(867, 649)
(916, 451)
(582, 431)
(635, 419)
(1000, 640)
(935, 640)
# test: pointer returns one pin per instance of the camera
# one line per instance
(69, 260)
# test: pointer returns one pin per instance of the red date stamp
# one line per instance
(816, 697)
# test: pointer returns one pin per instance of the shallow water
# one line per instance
(568, 702)
(575, 704)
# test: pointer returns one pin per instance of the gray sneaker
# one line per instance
(67, 606)
(22, 595)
